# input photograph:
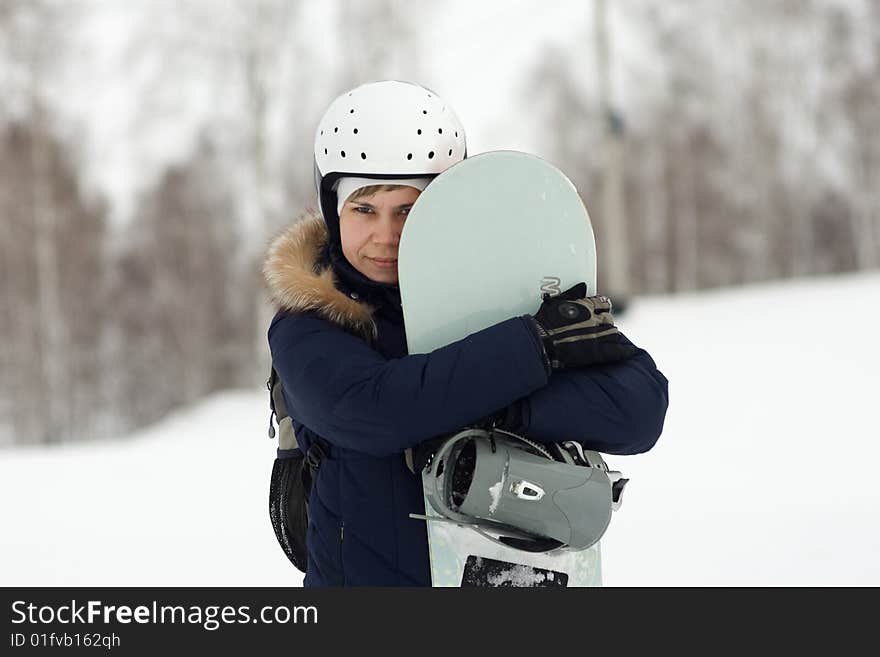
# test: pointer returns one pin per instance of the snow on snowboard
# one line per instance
(484, 241)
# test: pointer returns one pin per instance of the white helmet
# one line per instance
(386, 129)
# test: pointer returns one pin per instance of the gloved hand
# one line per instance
(577, 330)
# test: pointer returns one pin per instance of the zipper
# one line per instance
(341, 556)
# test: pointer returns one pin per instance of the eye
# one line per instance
(405, 211)
(362, 209)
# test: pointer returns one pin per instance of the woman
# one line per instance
(339, 347)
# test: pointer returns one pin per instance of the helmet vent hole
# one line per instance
(351, 111)
(325, 151)
(355, 131)
(440, 131)
(342, 153)
(424, 111)
(431, 155)
(419, 131)
(322, 132)
(450, 152)
(409, 156)
(363, 156)
(456, 133)
(336, 129)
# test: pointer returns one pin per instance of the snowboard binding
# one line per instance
(522, 494)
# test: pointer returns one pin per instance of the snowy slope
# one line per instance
(765, 473)
(183, 503)
(763, 476)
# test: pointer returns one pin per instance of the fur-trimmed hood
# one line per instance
(297, 282)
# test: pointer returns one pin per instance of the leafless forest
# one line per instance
(747, 144)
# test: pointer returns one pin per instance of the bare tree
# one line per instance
(751, 148)
(74, 227)
(53, 247)
(177, 305)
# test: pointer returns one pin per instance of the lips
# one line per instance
(384, 262)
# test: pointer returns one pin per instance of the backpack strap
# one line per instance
(286, 435)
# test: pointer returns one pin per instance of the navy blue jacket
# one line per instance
(340, 351)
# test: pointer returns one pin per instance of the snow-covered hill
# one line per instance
(764, 474)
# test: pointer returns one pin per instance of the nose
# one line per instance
(387, 232)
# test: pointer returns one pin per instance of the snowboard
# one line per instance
(518, 230)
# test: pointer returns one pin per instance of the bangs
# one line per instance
(372, 189)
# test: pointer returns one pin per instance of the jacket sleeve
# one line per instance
(617, 408)
(347, 392)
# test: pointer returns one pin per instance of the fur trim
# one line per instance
(292, 280)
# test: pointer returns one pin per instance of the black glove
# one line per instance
(577, 330)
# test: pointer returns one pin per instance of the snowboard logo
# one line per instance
(551, 285)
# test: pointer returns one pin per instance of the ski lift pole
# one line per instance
(616, 262)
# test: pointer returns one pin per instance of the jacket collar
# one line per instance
(300, 278)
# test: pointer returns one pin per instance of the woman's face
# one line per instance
(370, 230)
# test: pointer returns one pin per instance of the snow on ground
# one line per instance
(766, 470)
(764, 474)
(184, 503)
